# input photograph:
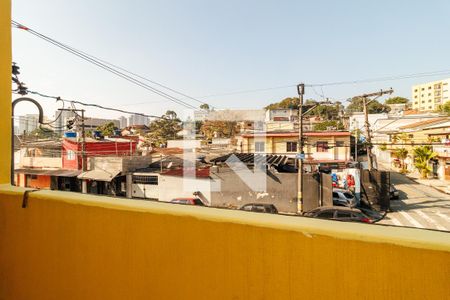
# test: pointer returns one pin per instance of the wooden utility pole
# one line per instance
(364, 98)
(300, 152)
(83, 144)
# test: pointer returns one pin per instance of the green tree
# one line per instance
(107, 129)
(396, 100)
(322, 126)
(328, 111)
(401, 154)
(42, 133)
(444, 108)
(286, 103)
(224, 129)
(402, 137)
(205, 107)
(163, 129)
(374, 107)
(422, 157)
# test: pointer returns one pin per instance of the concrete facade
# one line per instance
(428, 96)
(319, 146)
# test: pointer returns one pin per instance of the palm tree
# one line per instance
(401, 154)
(423, 155)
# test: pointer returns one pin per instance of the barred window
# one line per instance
(260, 147)
(142, 179)
(322, 146)
(291, 147)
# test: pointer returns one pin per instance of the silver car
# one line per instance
(343, 197)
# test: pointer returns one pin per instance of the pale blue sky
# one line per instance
(212, 47)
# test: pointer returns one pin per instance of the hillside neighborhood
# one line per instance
(194, 161)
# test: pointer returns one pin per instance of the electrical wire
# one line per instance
(95, 105)
(139, 76)
(103, 66)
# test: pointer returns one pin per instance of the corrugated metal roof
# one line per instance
(99, 175)
(53, 172)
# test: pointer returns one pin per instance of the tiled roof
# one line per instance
(295, 134)
(426, 122)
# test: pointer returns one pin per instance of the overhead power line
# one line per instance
(336, 83)
(105, 66)
(380, 79)
(95, 105)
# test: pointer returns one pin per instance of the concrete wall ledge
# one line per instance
(409, 237)
(73, 246)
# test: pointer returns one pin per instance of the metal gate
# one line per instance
(317, 190)
(375, 187)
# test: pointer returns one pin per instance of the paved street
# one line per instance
(419, 206)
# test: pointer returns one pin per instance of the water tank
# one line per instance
(70, 134)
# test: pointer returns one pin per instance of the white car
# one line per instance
(343, 197)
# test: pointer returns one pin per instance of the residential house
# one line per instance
(135, 130)
(321, 147)
(39, 165)
(169, 178)
(434, 132)
(72, 150)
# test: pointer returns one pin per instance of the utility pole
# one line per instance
(365, 97)
(356, 140)
(83, 144)
(83, 137)
(300, 152)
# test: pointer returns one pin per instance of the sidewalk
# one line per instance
(437, 184)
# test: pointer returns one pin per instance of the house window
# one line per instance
(291, 147)
(260, 147)
(70, 155)
(322, 147)
(339, 143)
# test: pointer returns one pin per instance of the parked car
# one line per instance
(188, 201)
(260, 207)
(374, 215)
(343, 197)
(393, 192)
(339, 213)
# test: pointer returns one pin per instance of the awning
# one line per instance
(58, 172)
(99, 175)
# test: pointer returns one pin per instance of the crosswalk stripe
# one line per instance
(443, 216)
(411, 219)
(395, 221)
(424, 215)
